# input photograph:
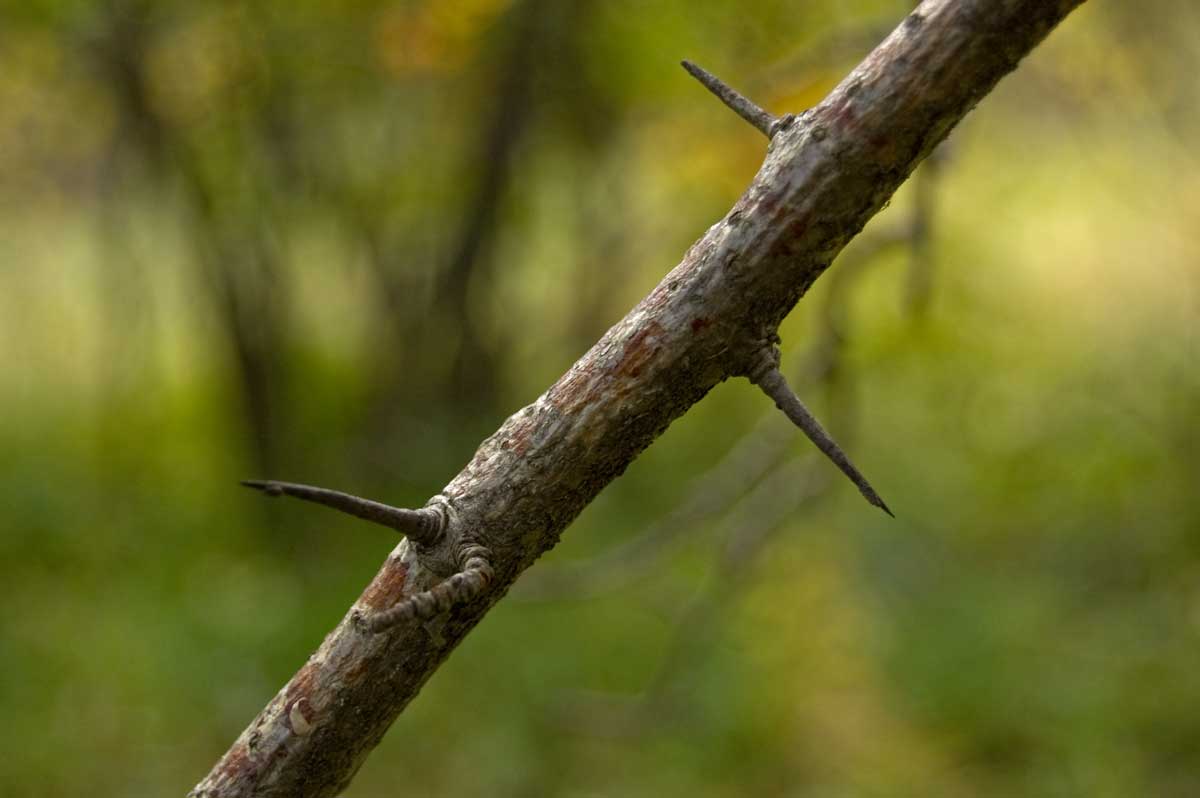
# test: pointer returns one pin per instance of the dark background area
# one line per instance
(338, 243)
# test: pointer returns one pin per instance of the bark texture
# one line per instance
(825, 174)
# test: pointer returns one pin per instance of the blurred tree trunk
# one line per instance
(237, 260)
(713, 317)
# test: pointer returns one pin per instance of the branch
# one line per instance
(713, 493)
(824, 176)
(750, 459)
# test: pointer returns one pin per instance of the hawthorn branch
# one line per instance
(824, 176)
(753, 456)
(713, 493)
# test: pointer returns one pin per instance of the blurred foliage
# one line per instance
(338, 242)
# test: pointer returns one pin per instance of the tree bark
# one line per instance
(825, 174)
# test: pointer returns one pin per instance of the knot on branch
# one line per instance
(473, 578)
(766, 359)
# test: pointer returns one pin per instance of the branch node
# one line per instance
(424, 527)
(782, 123)
(741, 105)
(765, 373)
(473, 578)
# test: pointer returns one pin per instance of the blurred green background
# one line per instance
(338, 243)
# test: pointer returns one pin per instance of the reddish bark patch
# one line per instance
(640, 350)
(796, 230)
(842, 114)
(571, 389)
(793, 234)
(656, 298)
(769, 203)
(355, 670)
(886, 151)
(700, 324)
(516, 437)
(387, 587)
(236, 765)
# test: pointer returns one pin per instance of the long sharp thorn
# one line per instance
(775, 386)
(423, 526)
(738, 102)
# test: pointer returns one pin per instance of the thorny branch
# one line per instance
(756, 454)
(824, 176)
(424, 527)
(774, 500)
(760, 458)
(764, 371)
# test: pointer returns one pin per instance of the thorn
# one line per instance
(423, 526)
(269, 488)
(770, 379)
(739, 103)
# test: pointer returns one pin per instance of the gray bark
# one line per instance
(824, 176)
